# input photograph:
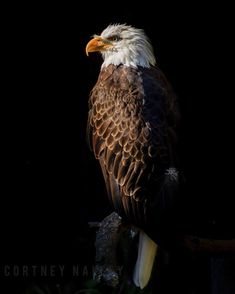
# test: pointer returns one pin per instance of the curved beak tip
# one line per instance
(91, 46)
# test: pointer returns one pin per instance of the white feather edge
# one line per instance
(147, 250)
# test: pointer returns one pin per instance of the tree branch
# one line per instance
(197, 244)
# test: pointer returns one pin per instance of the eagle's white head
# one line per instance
(123, 44)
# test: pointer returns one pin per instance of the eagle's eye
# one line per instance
(114, 38)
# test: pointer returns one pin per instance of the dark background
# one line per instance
(51, 184)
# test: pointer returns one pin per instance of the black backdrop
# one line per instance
(51, 184)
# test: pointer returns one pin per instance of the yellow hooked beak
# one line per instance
(97, 44)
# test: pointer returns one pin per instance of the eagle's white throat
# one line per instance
(131, 47)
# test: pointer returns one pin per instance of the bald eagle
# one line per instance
(133, 129)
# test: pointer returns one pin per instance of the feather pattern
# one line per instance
(132, 130)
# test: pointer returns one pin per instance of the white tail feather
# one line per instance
(147, 250)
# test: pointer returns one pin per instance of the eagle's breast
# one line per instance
(128, 134)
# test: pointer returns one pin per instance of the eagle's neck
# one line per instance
(130, 57)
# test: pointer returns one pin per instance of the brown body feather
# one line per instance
(132, 125)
